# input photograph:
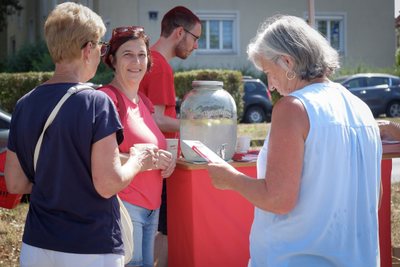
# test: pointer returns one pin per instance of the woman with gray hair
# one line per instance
(73, 217)
(318, 187)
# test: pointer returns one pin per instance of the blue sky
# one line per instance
(396, 7)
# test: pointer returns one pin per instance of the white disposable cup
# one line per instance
(242, 144)
(172, 146)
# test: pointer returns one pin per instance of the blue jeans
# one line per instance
(145, 223)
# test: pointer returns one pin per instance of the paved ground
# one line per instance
(396, 170)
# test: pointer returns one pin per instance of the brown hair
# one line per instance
(178, 16)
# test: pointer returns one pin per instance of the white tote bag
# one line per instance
(126, 231)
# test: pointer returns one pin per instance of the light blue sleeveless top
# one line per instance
(335, 221)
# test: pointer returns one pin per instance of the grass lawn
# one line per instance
(12, 221)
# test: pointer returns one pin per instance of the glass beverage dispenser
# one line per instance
(208, 114)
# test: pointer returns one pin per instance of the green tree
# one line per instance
(7, 8)
(31, 57)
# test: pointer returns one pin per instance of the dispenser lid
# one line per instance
(207, 83)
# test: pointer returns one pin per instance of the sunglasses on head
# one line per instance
(126, 31)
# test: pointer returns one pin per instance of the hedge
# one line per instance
(15, 85)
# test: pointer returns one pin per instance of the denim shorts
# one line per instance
(145, 223)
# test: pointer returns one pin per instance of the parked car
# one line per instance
(381, 92)
(5, 120)
(257, 101)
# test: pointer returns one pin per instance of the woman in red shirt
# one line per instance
(128, 55)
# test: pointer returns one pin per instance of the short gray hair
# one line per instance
(291, 36)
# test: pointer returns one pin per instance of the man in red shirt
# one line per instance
(180, 31)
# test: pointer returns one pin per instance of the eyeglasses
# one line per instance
(103, 49)
(196, 38)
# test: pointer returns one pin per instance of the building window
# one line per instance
(21, 21)
(219, 33)
(332, 27)
(107, 36)
(31, 31)
(13, 45)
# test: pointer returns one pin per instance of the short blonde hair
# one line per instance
(70, 26)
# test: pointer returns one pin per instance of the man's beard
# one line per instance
(181, 51)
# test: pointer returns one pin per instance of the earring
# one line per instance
(290, 75)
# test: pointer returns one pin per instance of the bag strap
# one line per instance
(73, 90)
(120, 103)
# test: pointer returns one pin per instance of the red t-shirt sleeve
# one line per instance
(158, 83)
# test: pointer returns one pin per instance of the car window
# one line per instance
(374, 81)
(261, 87)
(4, 120)
(4, 124)
(395, 81)
(356, 82)
(250, 87)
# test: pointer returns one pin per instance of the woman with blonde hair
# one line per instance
(74, 217)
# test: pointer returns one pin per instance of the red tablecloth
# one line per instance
(206, 226)
(210, 227)
(384, 215)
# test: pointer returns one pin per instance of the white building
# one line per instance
(363, 31)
